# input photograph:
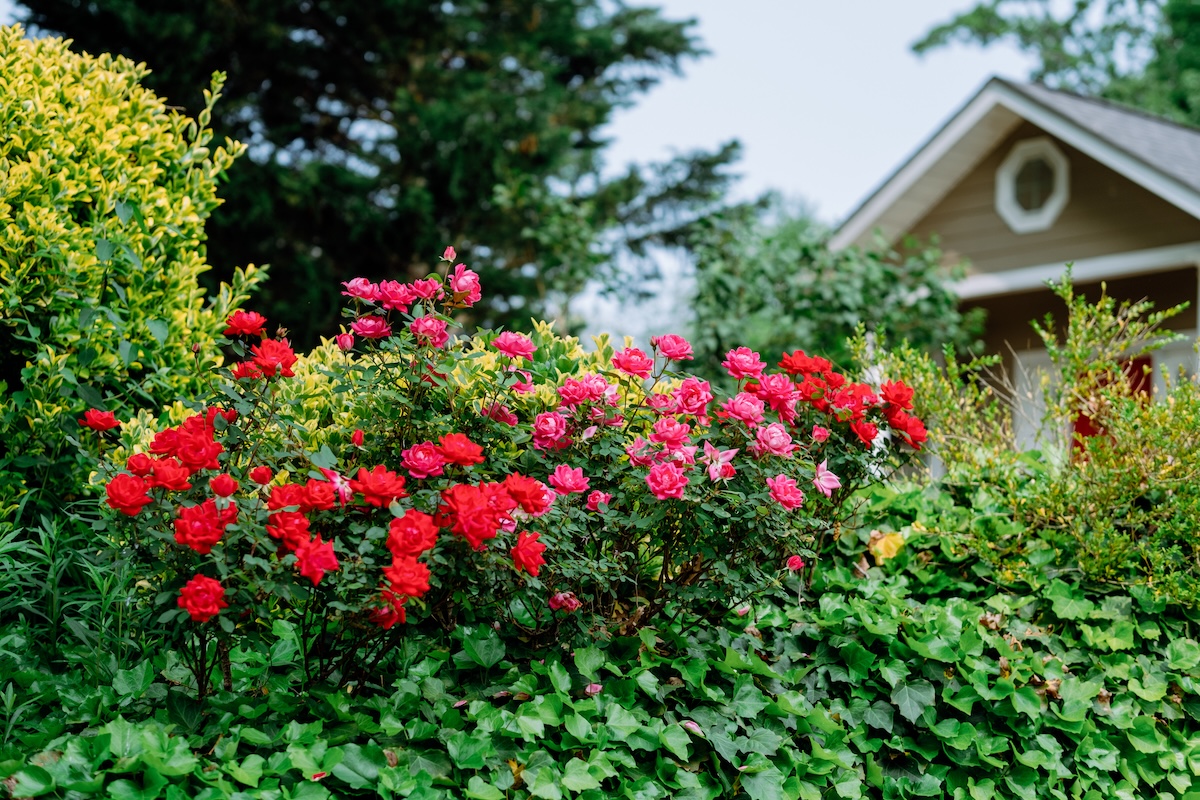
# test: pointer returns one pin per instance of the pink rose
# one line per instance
(773, 439)
(514, 345)
(667, 481)
(779, 393)
(743, 362)
(785, 492)
(565, 601)
(592, 689)
(361, 288)
(672, 346)
(423, 460)
(371, 327)
(427, 288)
(670, 433)
(795, 563)
(395, 296)
(465, 285)
(550, 431)
(345, 341)
(596, 498)
(745, 407)
(826, 481)
(430, 330)
(525, 385)
(449, 254)
(566, 480)
(500, 413)
(693, 396)
(632, 361)
(636, 451)
(661, 403)
(820, 434)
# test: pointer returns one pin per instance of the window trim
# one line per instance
(1017, 218)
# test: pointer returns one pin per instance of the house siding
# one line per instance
(1106, 214)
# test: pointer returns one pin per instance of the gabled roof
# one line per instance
(1160, 155)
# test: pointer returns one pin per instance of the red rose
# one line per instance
(274, 355)
(203, 598)
(127, 494)
(246, 371)
(865, 431)
(378, 486)
(392, 610)
(527, 554)
(245, 323)
(356, 438)
(223, 485)
(200, 527)
(897, 395)
(456, 448)
(140, 464)
(169, 474)
(287, 495)
(412, 534)
(407, 576)
(319, 495)
(261, 475)
(532, 495)
(290, 527)
(314, 558)
(99, 420)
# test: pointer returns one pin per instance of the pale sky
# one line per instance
(825, 95)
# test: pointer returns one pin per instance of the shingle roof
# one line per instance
(1168, 147)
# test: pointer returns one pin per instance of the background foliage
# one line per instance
(767, 279)
(380, 132)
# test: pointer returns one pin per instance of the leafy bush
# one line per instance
(105, 195)
(431, 495)
(1121, 506)
(770, 282)
(929, 676)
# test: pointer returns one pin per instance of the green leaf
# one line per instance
(104, 250)
(579, 727)
(560, 678)
(765, 785)
(1183, 654)
(30, 782)
(469, 751)
(1145, 736)
(484, 647)
(577, 778)
(133, 682)
(894, 672)
(748, 700)
(880, 715)
(479, 789)
(588, 661)
(912, 698)
(1026, 701)
(1067, 603)
(360, 765)
(158, 329)
(544, 783)
(249, 771)
(676, 739)
(857, 659)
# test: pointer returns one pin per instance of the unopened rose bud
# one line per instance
(196, 347)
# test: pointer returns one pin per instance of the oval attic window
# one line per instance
(1032, 185)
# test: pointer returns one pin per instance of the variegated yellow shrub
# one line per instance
(104, 191)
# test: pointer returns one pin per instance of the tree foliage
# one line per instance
(769, 280)
(1145, 53)
(380, 132)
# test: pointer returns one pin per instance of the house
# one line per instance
(1023, 179)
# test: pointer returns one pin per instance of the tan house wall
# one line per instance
(1105, 214)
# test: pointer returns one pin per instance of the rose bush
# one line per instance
(507, 479)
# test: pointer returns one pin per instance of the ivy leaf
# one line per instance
(880, 715)
(479, 789)
(133, 682)
(676, 739)
(912, 698)
(748, 700)
(484, 647)
(588, 661)
(894, 672)
(765, 785)
(858, 659)
(30, 782)
(1145, 736)
(468, 751)
(1026, 701)
(577, 778)
(1183, 654)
